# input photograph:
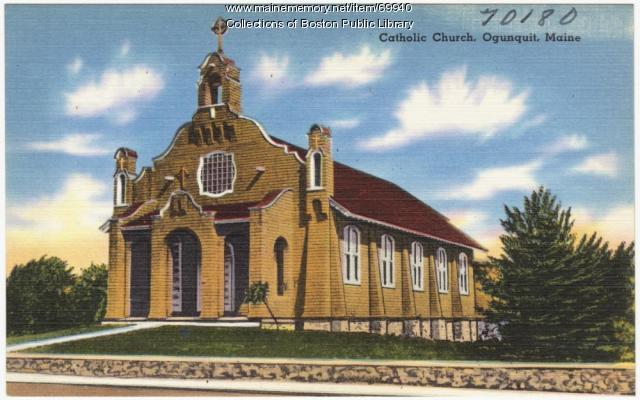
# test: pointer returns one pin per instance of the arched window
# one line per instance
(218, 98)
(351, 255)
(316, 170)
(279, 250)
(442, 273)
(387, 270)
(216, 174)
(463, 274)
(417, 263)
(121, 187)
(215, 89)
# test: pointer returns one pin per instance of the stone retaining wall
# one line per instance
(596, 378)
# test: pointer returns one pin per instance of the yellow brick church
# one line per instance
(227, 204)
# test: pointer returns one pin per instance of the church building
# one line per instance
(227, 205)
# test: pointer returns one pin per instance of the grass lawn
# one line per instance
(11, 340)
(255, 342)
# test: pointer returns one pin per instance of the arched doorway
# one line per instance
(184, 251)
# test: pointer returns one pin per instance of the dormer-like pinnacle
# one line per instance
(219, 83)
(319, 159)
(319, 138)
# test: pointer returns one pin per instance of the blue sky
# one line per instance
(467, 127)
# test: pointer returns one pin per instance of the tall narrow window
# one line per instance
(417, 266)
(176, 265)
(351, 255)
(387, 270)
(121, 186)
(441, 267)
(215, 89)
(279, 251)
(316, 170)
(463, 274)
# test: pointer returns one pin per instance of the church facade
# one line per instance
(227, 205)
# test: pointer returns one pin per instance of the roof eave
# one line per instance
(344, 211)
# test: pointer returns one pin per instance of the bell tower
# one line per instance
(219, 84)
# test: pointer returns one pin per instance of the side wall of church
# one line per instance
(370, 300)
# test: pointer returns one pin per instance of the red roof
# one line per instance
(128, 152)
(374, 198)
(132, 208)
(223, 212)
(143, 220)
(231, 211)
(368, 196)
(241, 210)
(270, 198)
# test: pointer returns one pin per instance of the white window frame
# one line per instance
(219, 95)
(386, 257)
(416, 259)
(312, 170)
(176, 278)
(351, 272)
(442, 271)
(121, 190)
(463, 273)
(233, 178)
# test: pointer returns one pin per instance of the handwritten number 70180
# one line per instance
(512, 15)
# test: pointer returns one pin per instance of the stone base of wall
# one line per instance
(431, 329)
(576, 378)
(285, 324)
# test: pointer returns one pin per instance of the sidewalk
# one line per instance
(71, 338)
(261, 386)
(135, 326)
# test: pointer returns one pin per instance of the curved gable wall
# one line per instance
(252, 148)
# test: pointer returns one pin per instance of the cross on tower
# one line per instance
(121, 163)
(182, 175)
(219, 28)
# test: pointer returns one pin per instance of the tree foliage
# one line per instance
(45, 294)
(257, 293)
(89, 294)
(556, 297)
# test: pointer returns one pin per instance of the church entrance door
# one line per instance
(229, 279)
(140, 278)
(184, 248)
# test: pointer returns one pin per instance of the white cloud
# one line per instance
(64, 224)
(116, 91)
(605, 164)
(272, 70)
(490, 181)
(125, 48)
(615, 225)
(566, 143)
(468, 220)
(347, 123)
(533, 122)
(123, 117)
(77, 144)
(454, 106)
(75, 66)
(350, 70)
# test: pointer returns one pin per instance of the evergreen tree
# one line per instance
(550, 292)
(618, 303)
